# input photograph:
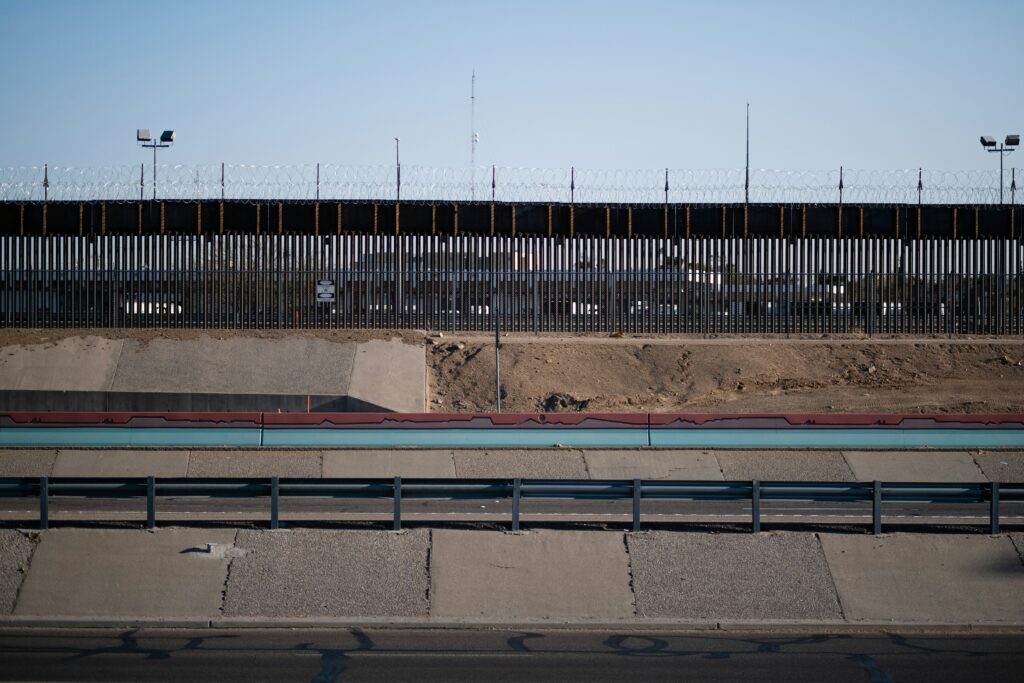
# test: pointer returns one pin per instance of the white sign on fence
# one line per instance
(325, 291)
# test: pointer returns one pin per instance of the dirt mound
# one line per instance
(732, 375)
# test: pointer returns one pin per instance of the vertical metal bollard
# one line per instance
(517, 485)
(150, 502)
(994, 506)
(755, 506)
(44, 503)
(398, 504)
(275, 494)
(636, 505)
(876, 508)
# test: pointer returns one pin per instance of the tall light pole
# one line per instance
(746, 176)
(144, 139)
(398, 174)
(989, 143)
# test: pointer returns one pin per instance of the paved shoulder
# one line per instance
(731, 576)
(561, 575)
(127, 573)
(309, 573)
(927, 577)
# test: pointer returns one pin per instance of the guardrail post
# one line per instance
(275, 494)
(150, 502)
(755, 506)
(994, 506)
(636, 505)
(876, 508)
(44, 503)
(516, 493)
(398, 504)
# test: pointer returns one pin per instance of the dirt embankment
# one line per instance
(729, 375)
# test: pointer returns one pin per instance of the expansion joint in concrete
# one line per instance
(34, 539)
(227, 573)
(831, 579)
(629, 569)
(426, 568)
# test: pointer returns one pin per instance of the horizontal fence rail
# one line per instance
(515, 284)
(504, 184)
(517, 491)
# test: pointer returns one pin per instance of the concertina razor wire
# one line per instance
(327, 182)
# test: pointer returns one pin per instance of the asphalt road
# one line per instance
(301, 510)
(244, 656)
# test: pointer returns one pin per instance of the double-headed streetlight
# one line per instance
(989, 143)
(144, 139)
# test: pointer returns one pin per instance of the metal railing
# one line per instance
(637, 491)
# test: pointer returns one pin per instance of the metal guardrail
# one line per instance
(755, 492)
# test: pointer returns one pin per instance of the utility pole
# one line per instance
(398, 174)
(746, 177)
(473, 138)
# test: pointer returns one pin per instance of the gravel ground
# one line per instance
(27, 462)
(312, 573)
(539, 464)
(784, 465)
(15, 551)
(1001, 466)
(731, 576)
(255, 464)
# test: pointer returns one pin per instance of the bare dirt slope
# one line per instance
(729, 375)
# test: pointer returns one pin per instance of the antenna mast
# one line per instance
(472, 137)
(746, 177)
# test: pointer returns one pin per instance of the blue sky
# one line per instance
(867, 84)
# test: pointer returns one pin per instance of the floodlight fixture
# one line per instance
(989, 143)
(146, 140)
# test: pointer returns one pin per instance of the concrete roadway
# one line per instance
(322, 656)
(300, 510)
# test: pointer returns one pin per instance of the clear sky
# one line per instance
(619, 85)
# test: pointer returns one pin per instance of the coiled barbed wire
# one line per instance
(255, 183)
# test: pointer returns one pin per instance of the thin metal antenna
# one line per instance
(746, 179)
(472, 136)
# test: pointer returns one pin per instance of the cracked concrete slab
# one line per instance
(927, 577)
(126, 573)
(263, 464)
(15, 553)
(374, 463)
(731, 576)
(651, 464)
(525, 464)
(117, 462)
(540, 575)
(27, 462)
(1001, 466)
(310, 573)
(909, 466)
